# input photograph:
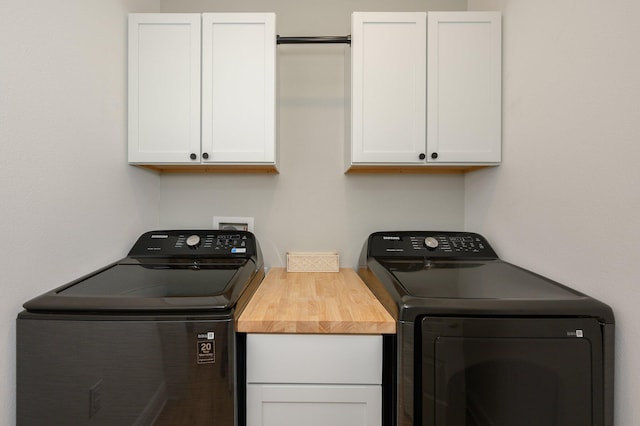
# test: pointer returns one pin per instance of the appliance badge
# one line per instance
(206, 348)
(575, 333)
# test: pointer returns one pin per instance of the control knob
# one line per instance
(431, 243)
(193, 241)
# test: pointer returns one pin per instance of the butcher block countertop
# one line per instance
(314, 302)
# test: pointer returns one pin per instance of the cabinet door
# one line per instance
(164, 87)
(388, 93)
(238, 87)
(314, 358)
(464, 87)
(313, 405)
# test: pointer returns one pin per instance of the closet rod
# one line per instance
(314, 40)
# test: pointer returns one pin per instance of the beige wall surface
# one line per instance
(566, 201)
(69, 202)
(312, 205)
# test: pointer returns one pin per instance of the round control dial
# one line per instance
(431, 243)
(193, 241)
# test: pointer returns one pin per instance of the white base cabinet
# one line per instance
(315, 380)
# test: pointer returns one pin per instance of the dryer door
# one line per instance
(505, 372)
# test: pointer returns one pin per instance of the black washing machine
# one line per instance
(148, 340)
(483, 342)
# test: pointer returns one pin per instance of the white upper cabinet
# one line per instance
(164, 87)
(464, 86)
(222, 61)
(388, 86)
(238, 87)
(425, 91)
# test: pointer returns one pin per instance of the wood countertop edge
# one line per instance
(311, 303)
(317, 327)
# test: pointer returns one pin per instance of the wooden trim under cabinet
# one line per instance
(211, 168)
(418, 169)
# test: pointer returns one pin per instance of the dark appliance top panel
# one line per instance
(417, 273)
(138, 281)
(211, 244)
(165, 271)
(429, 244)
(475, 280)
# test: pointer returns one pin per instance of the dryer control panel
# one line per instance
(430, 244)
(195, 243)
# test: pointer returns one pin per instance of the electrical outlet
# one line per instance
(233, 223)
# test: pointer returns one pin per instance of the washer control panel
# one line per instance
(198, 243)
(430, 244)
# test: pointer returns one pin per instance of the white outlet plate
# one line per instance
(233, 223)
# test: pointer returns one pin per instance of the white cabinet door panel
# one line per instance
(388, 85)
(314, 358)
(164, 87)
(313, 405)
(464, 87)
(238, 87)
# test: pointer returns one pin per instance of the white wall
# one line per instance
(69, 202)
(566, 201)
(311, 205)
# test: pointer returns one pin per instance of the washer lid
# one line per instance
(131, 281)
(475, 280)
(150, 287)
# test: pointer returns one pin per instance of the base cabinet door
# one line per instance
(313, 405)
(314, 380)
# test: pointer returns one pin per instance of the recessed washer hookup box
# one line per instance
(313, 261)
